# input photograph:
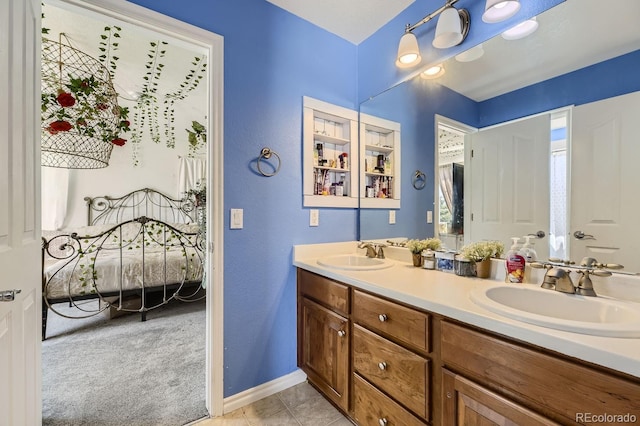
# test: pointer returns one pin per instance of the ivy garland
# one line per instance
(107, 46)
(147, 103)
(190, 82)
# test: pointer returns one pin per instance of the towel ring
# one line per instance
(419, 180)
(266, 154)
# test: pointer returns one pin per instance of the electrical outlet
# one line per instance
(392, 217)
(429, 216)
(237, 218)
(314, 217)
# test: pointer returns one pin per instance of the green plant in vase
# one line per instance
(416, 247)
(480, 253)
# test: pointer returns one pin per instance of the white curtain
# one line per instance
(446, 185)
(55, 191)
(192, 171)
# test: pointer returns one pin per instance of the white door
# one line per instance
(509, 182)
(605, 181)
(20, 336)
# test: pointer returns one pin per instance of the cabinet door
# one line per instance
(324, 354)
(466, 403)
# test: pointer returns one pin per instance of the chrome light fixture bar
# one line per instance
(451, 30)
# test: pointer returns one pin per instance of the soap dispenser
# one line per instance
(514, 263)
(528, 251)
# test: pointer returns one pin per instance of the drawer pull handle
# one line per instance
(382, 317)
(382, 422)
(382, 365)
(449, 396)
(342, 333)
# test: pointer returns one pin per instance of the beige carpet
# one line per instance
(126, 372)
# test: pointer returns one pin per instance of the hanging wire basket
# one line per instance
(81, 118)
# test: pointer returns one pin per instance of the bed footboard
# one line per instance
(136, 257)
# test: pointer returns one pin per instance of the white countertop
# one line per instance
(448, 294)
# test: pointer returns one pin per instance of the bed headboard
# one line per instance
(142, 202)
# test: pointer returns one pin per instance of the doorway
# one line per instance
(212, 45)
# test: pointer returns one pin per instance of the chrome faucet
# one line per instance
(373, 250)
(560, 280)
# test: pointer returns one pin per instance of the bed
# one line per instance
(140, 245)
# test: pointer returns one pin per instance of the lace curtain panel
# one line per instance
(192, 171)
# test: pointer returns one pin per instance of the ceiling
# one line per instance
(352, 20)
(83, 30)
(572, 35)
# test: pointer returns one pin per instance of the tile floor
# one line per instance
(298, 405)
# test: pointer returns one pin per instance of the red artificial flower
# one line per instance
(59, 126)
(66, 99)
(102, 106)
(119, 141)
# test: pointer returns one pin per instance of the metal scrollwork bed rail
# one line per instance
(137, 256)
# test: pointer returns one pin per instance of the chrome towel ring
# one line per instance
(266, 154)
(419, 180)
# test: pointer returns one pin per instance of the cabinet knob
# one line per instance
(382, 365)
(382, 317)
(342, 333)
(382, 422)
(449, 396)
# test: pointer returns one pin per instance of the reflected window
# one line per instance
(558, 187)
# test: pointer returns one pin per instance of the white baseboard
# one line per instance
(264, 390)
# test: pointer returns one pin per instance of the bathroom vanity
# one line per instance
(401, 345)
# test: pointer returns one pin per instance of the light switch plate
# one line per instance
(237, 218)
(429, 216)
(314, 217)
(392, 217)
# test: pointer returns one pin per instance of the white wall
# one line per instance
(157, 168)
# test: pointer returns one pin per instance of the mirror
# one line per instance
(499, 87)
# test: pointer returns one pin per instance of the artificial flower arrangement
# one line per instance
(482, 250)
(417, 246)
(85, 106)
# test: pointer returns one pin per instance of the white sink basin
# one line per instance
(548, 308)
(354, 262)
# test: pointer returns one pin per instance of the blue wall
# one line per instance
(606, 79)
(414, 104)
(272, 59)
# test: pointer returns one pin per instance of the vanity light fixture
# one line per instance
(451, 30)
(433, 72)
(499, 10)
(408, 50)
(521, 30)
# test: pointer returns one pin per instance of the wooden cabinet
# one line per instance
(467, 403)
(390, 360)
(330, 155)
(380, 162)
(557, 388)
(385, 363)
(324, 336)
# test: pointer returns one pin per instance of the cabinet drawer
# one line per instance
(563, 388)
(402, 324)
(372, 407)
(328, 292)
(397, 371)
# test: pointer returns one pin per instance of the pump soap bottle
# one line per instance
(528, 251)
(514, 263)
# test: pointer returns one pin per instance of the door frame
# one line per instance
(214, 45)
(467, 130)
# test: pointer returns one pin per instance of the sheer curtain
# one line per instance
(55, 192)
(446, 185)
(191, 172)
